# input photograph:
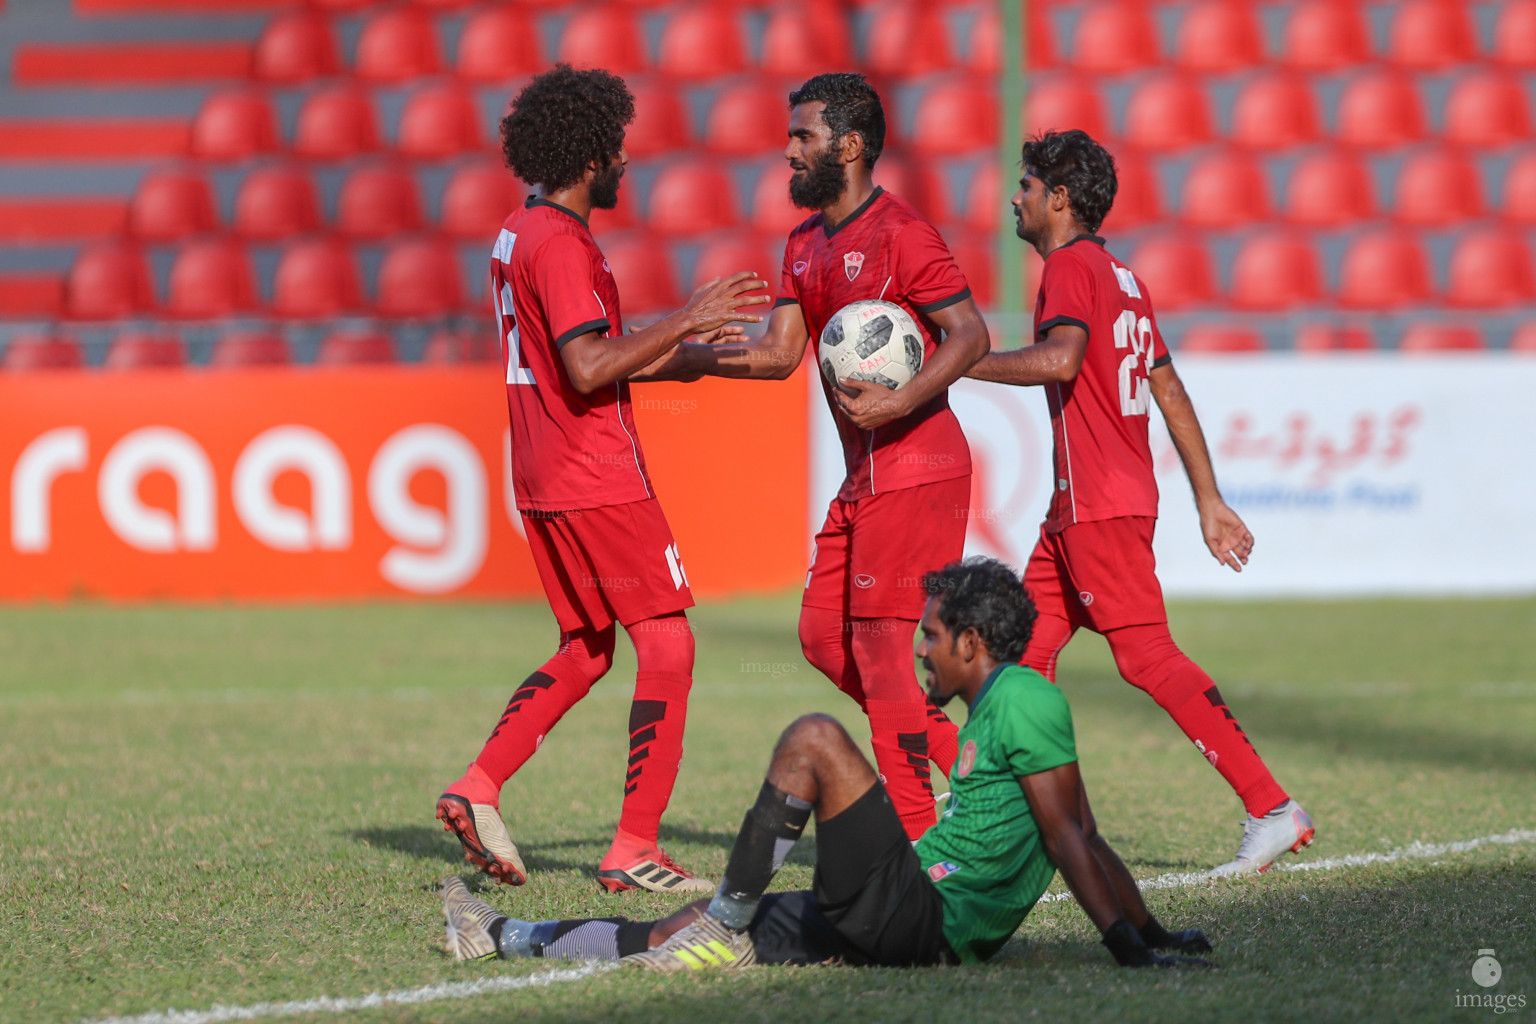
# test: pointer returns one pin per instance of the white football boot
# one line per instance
(1286, 829)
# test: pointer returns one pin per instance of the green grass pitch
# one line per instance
(213, 805)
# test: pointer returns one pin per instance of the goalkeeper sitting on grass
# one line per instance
(1017, 814)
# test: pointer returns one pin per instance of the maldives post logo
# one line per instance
(967, 759)
(942, 868)
(853, 262)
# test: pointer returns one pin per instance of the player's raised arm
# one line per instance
(1225, 532)
(870, 405)
(594, 361)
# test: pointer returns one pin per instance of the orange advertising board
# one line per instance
(356, 482)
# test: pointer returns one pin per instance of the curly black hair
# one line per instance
(1073, 159)
(985, 595)
(852, 105)
(563, 121)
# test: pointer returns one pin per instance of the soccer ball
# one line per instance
(871, 340)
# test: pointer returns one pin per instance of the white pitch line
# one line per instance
(1413, 851)
(485, 986)
(371, 1001)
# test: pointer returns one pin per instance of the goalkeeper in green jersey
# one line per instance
(1017, 814)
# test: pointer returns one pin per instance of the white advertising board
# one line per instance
(1358, 474)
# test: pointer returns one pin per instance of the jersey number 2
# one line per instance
(506, 315)
(1135, 334)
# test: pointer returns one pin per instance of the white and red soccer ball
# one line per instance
(871, 340)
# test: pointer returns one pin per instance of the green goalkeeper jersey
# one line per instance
(986, 855)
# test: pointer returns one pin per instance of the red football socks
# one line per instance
(664, 651)
(1149, 660)
(541, 701)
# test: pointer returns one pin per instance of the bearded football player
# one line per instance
(908, 465)
(599, 539)
(1099, 355)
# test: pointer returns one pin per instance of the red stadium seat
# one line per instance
(1520, 190)
(1225, 190)
(343, 5)
(336, 123)
(234, 126)
(660, 124)
(805, 39)
(420, 277)
(1060, 103)
(746, 119)
(604, 36)
(772, 211)
(702, 41)
(1433, 338)
(956, 117)
(924, 185)
(1438, 187)
(1384, 270)
(239, 349)
(275, 202)
(316, 278)
(1427, 35)
(1274, 112)
(355, 348)
(1380, 109)
(1491, 269)
(1487, 109)
(1136, 198)
(691, 198)
(1275, 270)
(1316, 338)
(478, 198)
(41, 352)
(987, 197)
(472, 346)
(907, 39)
(171, 204)
(1325, 35)
(143, 350)
(732, 254)
(1177, 271)
(396, 45)
(1514, 34)
(1218, 35)
(1112, 37)
(378, 201)
(986, 41)
(1329, 189)
(498, 43)
(439, 120)
(621, 218)
(211, 278)
(974, 255)
(1167, 113)
(642, 268)
(1523, 340)
(1229, 339)
(108, 280)
(295, 46)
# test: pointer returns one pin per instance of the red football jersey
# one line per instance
(1102, 459)
(883, 250)
(549, 284)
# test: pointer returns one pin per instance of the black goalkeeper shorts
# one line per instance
(870, 904)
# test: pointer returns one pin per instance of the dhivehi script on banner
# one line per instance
(1358, 474)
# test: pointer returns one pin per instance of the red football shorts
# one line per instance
(871, 554)
(617, 563)
(1101, 574)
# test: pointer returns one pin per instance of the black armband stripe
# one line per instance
(785, 300)
(580, 329)
(1162, 360)
(1057, 321)
(934, 307)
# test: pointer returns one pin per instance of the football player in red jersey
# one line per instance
(599, 539)
(1101, 359)
(902, 508)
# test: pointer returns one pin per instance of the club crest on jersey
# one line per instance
(967, 759)
(942, 868)
(799, 267)
(853, 262)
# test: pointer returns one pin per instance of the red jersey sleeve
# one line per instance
(789, 294)
(562, 276)
(1066, 290)
(926, 274)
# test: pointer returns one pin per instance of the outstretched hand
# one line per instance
(867, 404)
(1226, 535)
(718, 302)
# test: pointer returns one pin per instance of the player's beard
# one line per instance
(604, 192)
(821, 183)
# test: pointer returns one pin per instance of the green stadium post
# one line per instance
(1008, 309)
